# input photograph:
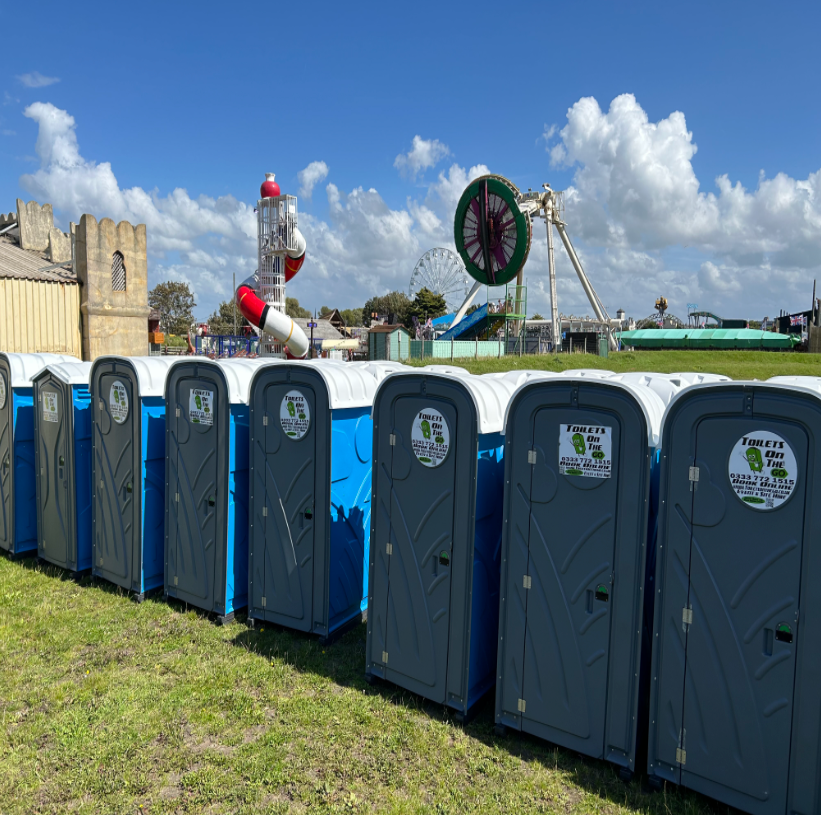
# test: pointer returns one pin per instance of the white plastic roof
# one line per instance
(649, 401)
(812, 383)
(151, 371)
(699, 379)
(665, 385)
(490, 392)
(72, 373)
(23, 367)
(238, 374)
(349, 384)
(590, 373)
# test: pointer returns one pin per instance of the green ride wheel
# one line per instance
(492, 233)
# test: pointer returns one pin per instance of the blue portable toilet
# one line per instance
(580, 461)
(735, 708)
(207, 489)
(128, 455)
(62, 432)
(310, 511)
(436, 527)
(18, 489)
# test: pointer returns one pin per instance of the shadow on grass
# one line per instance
(343, 662)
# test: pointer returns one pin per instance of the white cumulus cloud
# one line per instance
(315, 172)
(635, 190)
(364, 246)
(424, 153)
(36, 80)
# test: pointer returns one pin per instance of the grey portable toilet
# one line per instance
(735, 707)
(62, 432)
(128, 455)
(436, 526)
(207, 489)
(18, 489)
(310, 501)
(579, 462)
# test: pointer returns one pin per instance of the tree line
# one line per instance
(175, 303)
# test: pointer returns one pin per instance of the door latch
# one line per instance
(392, 439)
(388, 549)
(531, 456)
(687, 616)
(521, 705)
(527, 581)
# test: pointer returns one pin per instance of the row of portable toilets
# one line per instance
(627, 558)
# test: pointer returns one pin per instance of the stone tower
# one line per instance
(112, 268)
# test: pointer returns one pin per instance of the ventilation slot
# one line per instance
(117, 272)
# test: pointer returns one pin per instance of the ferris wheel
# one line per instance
(442, 272)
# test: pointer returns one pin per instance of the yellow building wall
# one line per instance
(39, 317)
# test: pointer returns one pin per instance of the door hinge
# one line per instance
(101, 403)
(177, 497)
(681, 756)
(101, 484)
(265, 421)
(100, 562)
(265, 513)
(262, 600)
(392, 438)
(522, 705)
(177, 412)
(531, 456)
(385, 657)
(693, 478)
(527, 581)
(176, 581)
(687, 616)
(388, 549)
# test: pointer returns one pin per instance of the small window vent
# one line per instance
(117, 272)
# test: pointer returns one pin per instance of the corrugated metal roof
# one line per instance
(25, 265)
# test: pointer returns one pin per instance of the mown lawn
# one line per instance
(107, 706)
(735, 364)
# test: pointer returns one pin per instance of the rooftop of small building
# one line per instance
(25, 264)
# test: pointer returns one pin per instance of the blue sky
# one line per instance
(205, 98)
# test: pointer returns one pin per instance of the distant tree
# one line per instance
(537, 316)
(427, 304)
(324, 310)
(222, 320)
(352, 316)
(471, 310)
(293, 309)
(395, 302)
(176, 305)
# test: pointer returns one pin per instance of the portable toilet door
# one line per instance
(18, 489)
(62, 429)
(578, 471)
(129, 470)
(206, 505)
(436, 528)
(311, 450)
(735, 706)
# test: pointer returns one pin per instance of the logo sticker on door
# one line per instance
(762, 468)
(585, 450)
(118, 400)
(430, 437)
(295, 415)
(2, 391)
(50, 413)
(201, 406)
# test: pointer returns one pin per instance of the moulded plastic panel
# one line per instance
(6, 462)
(434, 550)
(64, 468)
(574, 551)
(735, 710)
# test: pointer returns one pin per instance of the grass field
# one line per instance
(735, 364)
(109, 706)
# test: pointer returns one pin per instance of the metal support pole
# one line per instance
(551, 268)
(588, 289)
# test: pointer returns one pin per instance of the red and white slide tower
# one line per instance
(281, 253)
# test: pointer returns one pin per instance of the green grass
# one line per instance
(107, 706)
(735, 364)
